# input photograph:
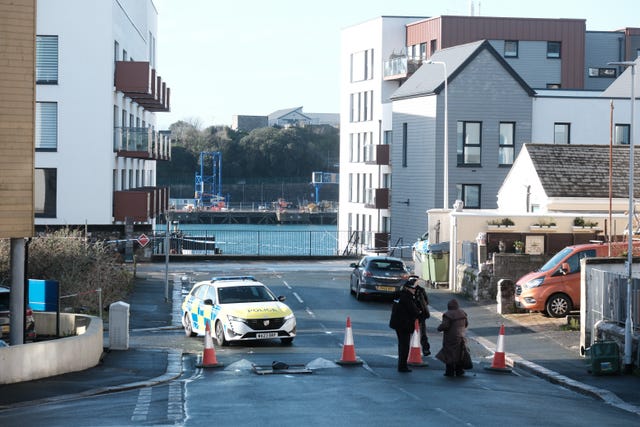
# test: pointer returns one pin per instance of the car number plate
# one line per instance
(266, 335)
(386, 288)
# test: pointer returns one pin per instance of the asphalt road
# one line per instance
(371, 394)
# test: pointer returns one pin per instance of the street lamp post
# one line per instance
(446, 134)
(628, 325)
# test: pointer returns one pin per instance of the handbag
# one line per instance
(465, 357)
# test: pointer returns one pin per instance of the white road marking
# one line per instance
(141, 410)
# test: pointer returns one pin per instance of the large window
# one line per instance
(469, 142)
(553, 49)
(621, 134)
(45, 190)
(562, 133)
(362, 65)
(507, 146)
(47, 60)
(46, 126)
(511, 48)
(405, 144)
(469, 194)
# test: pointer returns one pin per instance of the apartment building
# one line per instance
(97, 93)
(556, 57)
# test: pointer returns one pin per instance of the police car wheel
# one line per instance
(188, 328)
(222, 341)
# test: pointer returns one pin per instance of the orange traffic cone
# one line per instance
(415, 353)
(209, 354)
(499, 364)
(348, 349)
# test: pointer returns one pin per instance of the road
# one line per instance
(371, 394)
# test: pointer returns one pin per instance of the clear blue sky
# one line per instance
(226, 57)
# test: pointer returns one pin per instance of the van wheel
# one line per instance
(558, 305)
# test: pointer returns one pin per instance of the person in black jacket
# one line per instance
(403, 316)
(454, 325)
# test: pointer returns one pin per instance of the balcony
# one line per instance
(377, 198)
(140, 204)
(138, 81)
(377, 154)
(142, 143)
(400, 67)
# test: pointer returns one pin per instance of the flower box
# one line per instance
(586, 229)
(543, 228)
(501, 227)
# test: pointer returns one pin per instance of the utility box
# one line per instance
(119, 326)
(44, 295)
(605, 358)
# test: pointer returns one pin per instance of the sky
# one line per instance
(252, 57)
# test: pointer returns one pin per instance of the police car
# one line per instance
(237, 308)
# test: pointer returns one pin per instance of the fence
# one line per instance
(606, 298)
(251, 242)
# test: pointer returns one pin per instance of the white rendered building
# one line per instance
(96, 97)
(365, 130)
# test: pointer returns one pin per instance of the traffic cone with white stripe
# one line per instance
(209, 354)
(348, 349)
(415, 353)
(499, 364)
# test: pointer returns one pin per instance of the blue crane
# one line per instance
(208, 188)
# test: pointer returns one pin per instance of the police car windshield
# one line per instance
(240, 294)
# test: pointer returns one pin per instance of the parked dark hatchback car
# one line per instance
(30, 329)
(377, 275)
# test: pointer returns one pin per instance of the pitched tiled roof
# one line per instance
(583, 170)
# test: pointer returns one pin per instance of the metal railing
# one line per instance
(250, 243)
(607, 298)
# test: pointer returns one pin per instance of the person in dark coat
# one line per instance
(403, 317)
(454, 325)
(422, 301)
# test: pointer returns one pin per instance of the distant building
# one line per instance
(285, 118)
(249, 123)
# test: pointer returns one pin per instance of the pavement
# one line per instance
(534, 343)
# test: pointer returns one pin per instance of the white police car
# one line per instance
(238, 308)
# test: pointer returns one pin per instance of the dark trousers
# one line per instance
(424, 340)
(404, 342)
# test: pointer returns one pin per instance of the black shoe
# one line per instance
(426, 353)
(459, 373)
(404, 370)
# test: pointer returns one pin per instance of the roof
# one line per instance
(621, 88)
(429, 78)
(583, 170)
(281, 113)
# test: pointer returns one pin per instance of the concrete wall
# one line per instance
(48, 358)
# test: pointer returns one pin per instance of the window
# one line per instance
(554, 85)
(507, 146)
(553, 49)
(45, 192)
(602, 72)
(423, 51)
(469, 141)
(350, 187)
(388, 135)
(116, 50)
(621, 134)
(47, 60)
(46, 126)
(510, 48)
(362, 65)
(433, 46)
(469, 194)
(561, 133)
(404, 145)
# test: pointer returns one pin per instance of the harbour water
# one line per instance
(252, 239)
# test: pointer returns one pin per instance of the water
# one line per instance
(253, 239)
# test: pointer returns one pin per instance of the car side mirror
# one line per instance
(208, 301)
(353, 265)
(282, 298)
(564, 268)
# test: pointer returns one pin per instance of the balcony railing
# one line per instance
(138, 81)
(400, 67)
(377, 154)
(377, 198)
(142, 143)
(140, 204)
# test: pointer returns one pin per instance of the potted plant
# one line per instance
(580, 224)
(547, 224)
(518, 245)
(501, 223)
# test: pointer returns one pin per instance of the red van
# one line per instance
(555, 287)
